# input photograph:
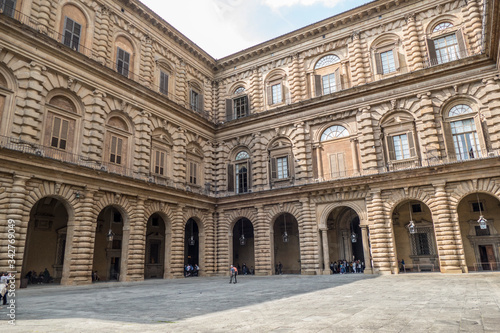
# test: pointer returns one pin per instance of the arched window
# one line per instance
(161, 153)
(118, 135)
(194, 163)
(327, 78)
(60, 123)
(5, 97)
(195, 97)
(327, 61)
(386, 54)
(239, 173)
(445, 45)
(238, 106)
(275, 88)
(334, 132)
(442, 26)
(73, 27)
(124, 54)
(464, 133)
(281, 163)
(400, 140)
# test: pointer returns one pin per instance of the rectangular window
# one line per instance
(194, 100)
(8, 7)
(72, 31)
(193, 173)
(465, 139)
(163, 83)
(276, 93)
(241, 178)
(240, 107)
(159, 162)
(388, 63)
(329, 85)
(416, 208)
(59, 133)
(282, 167)
(447, 48)
(477, 206)
(115, 155)
(401, 147)
(422, 244)
(122, 62)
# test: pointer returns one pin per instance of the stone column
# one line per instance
(413, 51)
(366, 249)
(367, 147)
(492, 90)
(428, 131)
(209, 268)
(177, 261)
(326, 252)
(380, 236)
(357, 64)
(450, 254)
(473, 26)
(18, 212)
(146, 68)
(309, 256)
(262, 243)
(137, 243)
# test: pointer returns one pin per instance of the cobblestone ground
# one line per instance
(288, 303)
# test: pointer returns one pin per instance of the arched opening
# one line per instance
(286, 245)
(45, 242)
(481, 241)
(191, 243)
(414, 237)
(154, 263)
(108, 256)
(243, 247)
(345, 243)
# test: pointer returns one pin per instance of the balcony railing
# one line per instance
(104, 61)
(485, 266)
(52, 153)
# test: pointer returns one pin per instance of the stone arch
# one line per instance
(486, 185)
(288, 252)
(319, 132)
(451, 101)
(384, 39)
(429, 27)
(81, 13)
(360, 211)
(231, 89)
(120, 202)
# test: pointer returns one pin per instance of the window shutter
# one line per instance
(378, 63)
(461, 43)
(338, 81)
(273, 168)
(411, 144)
(431, 48)
(269, 95)
(229, 109)
(200, 103)
(249, 174)
(9, 7)
(288, 168)
(317, 85)
(112, 156)
(282, 92)
(64, 134)
(390, 147)
(230, 178)
(448, 140)
(480, 135)
(341, 160)
(334, 170)
(395, 54)
(247, 106)
(68, 31)
(77, 28)
(163, 83)
(119, 151)
(195, 173)
(56, 129)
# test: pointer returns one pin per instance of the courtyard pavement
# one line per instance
(427, 302)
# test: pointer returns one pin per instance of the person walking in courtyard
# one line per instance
(234, 272)
(280, 268)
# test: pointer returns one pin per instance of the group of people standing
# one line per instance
(190, 270)
(343, 267)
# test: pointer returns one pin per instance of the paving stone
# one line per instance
(291, 303)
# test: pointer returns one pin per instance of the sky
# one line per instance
(224, 27)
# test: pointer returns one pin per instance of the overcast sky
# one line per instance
(224, 27)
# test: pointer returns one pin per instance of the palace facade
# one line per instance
(127, 150)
